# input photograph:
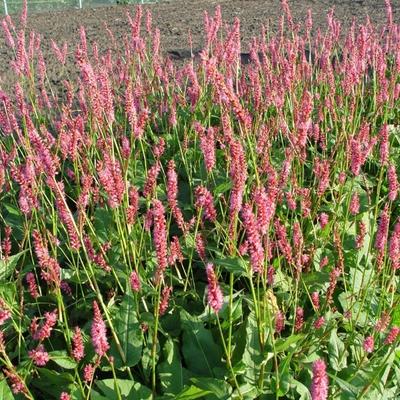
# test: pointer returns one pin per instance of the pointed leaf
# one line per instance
(62, 359)
(129, 334)
(337, 352)
(220, 390)
(234, 265)
(191, 393)
(252, 356)
(5, 391)
(283, 344)
(199, 349)
(173, 376)
(7, 266)
(129, 390)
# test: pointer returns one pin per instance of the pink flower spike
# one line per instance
(88, 372)
(175, 251)
(165, 295)
(45, 331)
(356, 156)
(265, 209)
(342, 177)
(299, 320)
(65, 396)
(133, 207)
(5, 313)
(279, 322)
(215, 296)
(204, 201)
(64, 286)
(6, 243)
(160, 238)
(354, 204)
(392, 335)
(135, 282)
(323, 219)
(16, 382)
(200, 246)
(392, 183)
(362, 231)
(39, 356)
(99, 332)
(255, 247)
(50, 269)
(319, 385)
(319, 323)
(32, 286)
(2, 343)
(383, 322)
(315, 299)
(368, 344)
(383, 227)
(172, 196)
(78, 351)
(384, 144)
(110, 176)
(394, 250)
(151, 179)
(324, 262)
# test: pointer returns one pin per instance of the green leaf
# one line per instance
(316, 280)
(236, 312)
(8, 292)
(61, 358)
(129, 390)
(199, 349)
(239, 340)
(381, 374)
(337, 352)
(171, 323)
(76, 394)
(281, 280)
(346, 303)
(301, 389)
(396, 316)
(347, 387)
(284, 377)
(359, 277)
(363, 253)
(247, 391)
(146, 358)
(222, 188)
(7, 267)
(252, 356)
(103, 224)
(191, 392)
(283, 344)
(173, 376)
(236, 266)
(94, 395)
(5, 391)
(129, 334)
(52, 382)
(15, 219)
(220, 389)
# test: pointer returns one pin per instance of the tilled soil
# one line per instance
(175, 19)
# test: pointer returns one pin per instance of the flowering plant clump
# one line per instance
(213, 230)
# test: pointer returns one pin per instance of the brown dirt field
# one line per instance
(175, 18)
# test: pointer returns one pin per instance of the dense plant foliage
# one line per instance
(209, 230)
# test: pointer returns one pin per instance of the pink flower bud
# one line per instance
(319, 385)
(368, 344)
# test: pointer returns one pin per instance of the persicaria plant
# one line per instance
(213, 229)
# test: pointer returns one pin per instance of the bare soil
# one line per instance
(175, 19)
